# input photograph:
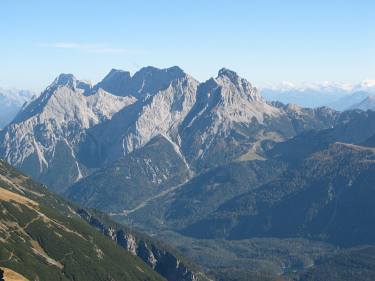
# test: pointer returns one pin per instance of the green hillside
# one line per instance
(42, 238)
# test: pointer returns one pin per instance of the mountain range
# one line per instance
(78, 128)
(202, 164)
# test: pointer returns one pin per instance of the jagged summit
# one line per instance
(115, 71)
(61, 86)
(230, 76)
(64, 79)
(150, 80)
(234, 87)
(146, 81)
(225, 72)
(175, 71)
(116, 74)
(115, 82)
(70, 81)
(54, 122)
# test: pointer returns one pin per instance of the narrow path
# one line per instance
(9, 258)
(148, 200)
(32, 221)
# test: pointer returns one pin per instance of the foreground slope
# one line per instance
(41, 238)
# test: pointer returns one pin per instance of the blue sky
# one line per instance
(265, 41)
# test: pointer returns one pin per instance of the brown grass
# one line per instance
(6, 195)
(10, 275)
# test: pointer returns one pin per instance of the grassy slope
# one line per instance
(42, 238)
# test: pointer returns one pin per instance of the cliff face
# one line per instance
(161, 260)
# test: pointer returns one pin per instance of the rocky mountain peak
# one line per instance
(70, 81)
(123, 113)
(62, 84)
(64, 79)
(234, 87)
(115, 75)
(116, 82)
(117, 72)
(230, 74)
(171, 72)
(150, 80)
(147, 81)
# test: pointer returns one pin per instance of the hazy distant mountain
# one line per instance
(338, 96)
(11, 101)
(350, 101)
(305, 96)
(367, 104)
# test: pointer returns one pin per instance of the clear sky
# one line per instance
(263, 40)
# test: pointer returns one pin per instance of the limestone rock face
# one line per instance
(74, 128)
(43, 137)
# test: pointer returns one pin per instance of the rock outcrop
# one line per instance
(166, 262)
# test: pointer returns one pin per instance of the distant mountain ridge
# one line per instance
(11, 102)
(366, 104)
(339, 96)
